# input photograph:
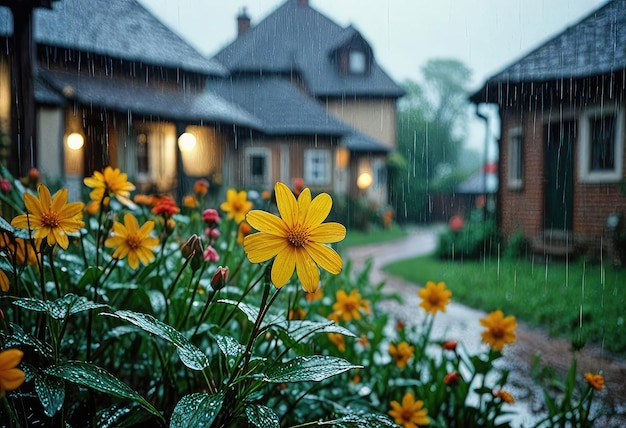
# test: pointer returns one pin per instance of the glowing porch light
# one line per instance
(186, 142)
(75, 141)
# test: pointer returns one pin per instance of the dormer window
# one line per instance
(357, 63)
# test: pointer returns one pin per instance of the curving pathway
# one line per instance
(461, 323)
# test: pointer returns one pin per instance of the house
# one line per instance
(561, 146)
(298, 66)
(114, 86)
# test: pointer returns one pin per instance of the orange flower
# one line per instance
(190, 201)
(435, 297)
(409, 414)
(297, 314)
(316, 295)
(165, 206)
(401, 353)
(243, 231)
(10, 377)
(201, 187)
(504, 396)
(595, 380)
(338, 340)
(348, 305)
(142, 199)
(500, 330)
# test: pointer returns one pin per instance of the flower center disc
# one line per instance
(298, 236)
(134, 241)
(50, 220)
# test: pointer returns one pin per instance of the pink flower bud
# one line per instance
(5, 185)
(210, 255)
(211, 217)
(218, 281)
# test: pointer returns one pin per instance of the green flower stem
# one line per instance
(243, 295)
(54, 275)
(13, 422)
(200, 320)
(189, 306)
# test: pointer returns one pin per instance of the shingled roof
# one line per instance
(299, 39)
(282, 109)
(595, 45)
(117, 28)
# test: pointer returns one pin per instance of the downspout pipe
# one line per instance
(485, 158)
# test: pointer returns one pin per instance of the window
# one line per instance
(516, 159)
(317, 167)
(379, 168)
(601, 145)
(257, 163)
(143, 155)
(357, 62)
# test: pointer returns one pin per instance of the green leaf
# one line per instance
(51, 393)
(196, 410)
(230, 348)
(367, 420)
(313, 368)
(301, 329)
(262, 416)
(250, 312)
(32, 304)
(92, 376)
(59, 309)
(22, 338)
(90, 276)
(189, 354)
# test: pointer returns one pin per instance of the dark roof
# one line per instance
(127, 95)
(595, 45)
(280, 108)
(117, 28)
(299, 39)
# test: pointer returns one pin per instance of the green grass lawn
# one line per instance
(373, 235)
(572, 300)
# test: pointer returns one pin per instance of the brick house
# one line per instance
(561, 146)
(113, 78)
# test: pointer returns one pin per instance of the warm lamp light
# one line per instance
(343, 157)
(75, 141)
(364, 181)
(186, 142)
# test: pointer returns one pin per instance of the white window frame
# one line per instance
(585, 173)
(261, 152)
(311, 167)
(515, 175)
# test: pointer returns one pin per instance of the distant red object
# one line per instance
(456, 223)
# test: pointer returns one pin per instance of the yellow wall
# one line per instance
(374, 117)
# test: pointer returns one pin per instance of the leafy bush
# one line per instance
(476, 239)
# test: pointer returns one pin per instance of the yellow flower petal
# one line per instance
(283, 266)
(266, 222)
(328, 233)
(308, 273)
(287, 205)
(10, 358)
(261, 247)
(326, 257)
(304, 202)
(319, 210)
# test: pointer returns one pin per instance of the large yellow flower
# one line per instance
(236, 205)
(500, 329)
(110, 182)
(10, 377)
(51, 219)
(347, 305)
(401, 354)
(297, 239)
(130, 240)
(409, 414)
(434, 297)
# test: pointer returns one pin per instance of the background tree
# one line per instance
(432, 120)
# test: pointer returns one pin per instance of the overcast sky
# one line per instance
(486, 35)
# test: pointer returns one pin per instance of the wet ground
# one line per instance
(461, 323)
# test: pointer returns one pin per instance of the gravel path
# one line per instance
(461, 323)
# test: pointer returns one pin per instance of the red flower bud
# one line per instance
(218, 281)
(452, 379)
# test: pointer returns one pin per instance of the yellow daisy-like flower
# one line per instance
(596, 381)
(10, 377)
(296, 238)
(347, 305)
(401, 353)
(130, 240)
(236, 205)
(110, 182)
(435, 297)
(409, 414)
(500, 329)
(50, 218)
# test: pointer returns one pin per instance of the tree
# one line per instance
(431, 130)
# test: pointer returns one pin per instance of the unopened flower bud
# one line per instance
(449, 345)
(218, 281)
(452, 379)
(190, 246)
(211, 217)
(5, 185)
(210, 254)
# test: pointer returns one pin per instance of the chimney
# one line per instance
(303, 3)
(243, 22)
